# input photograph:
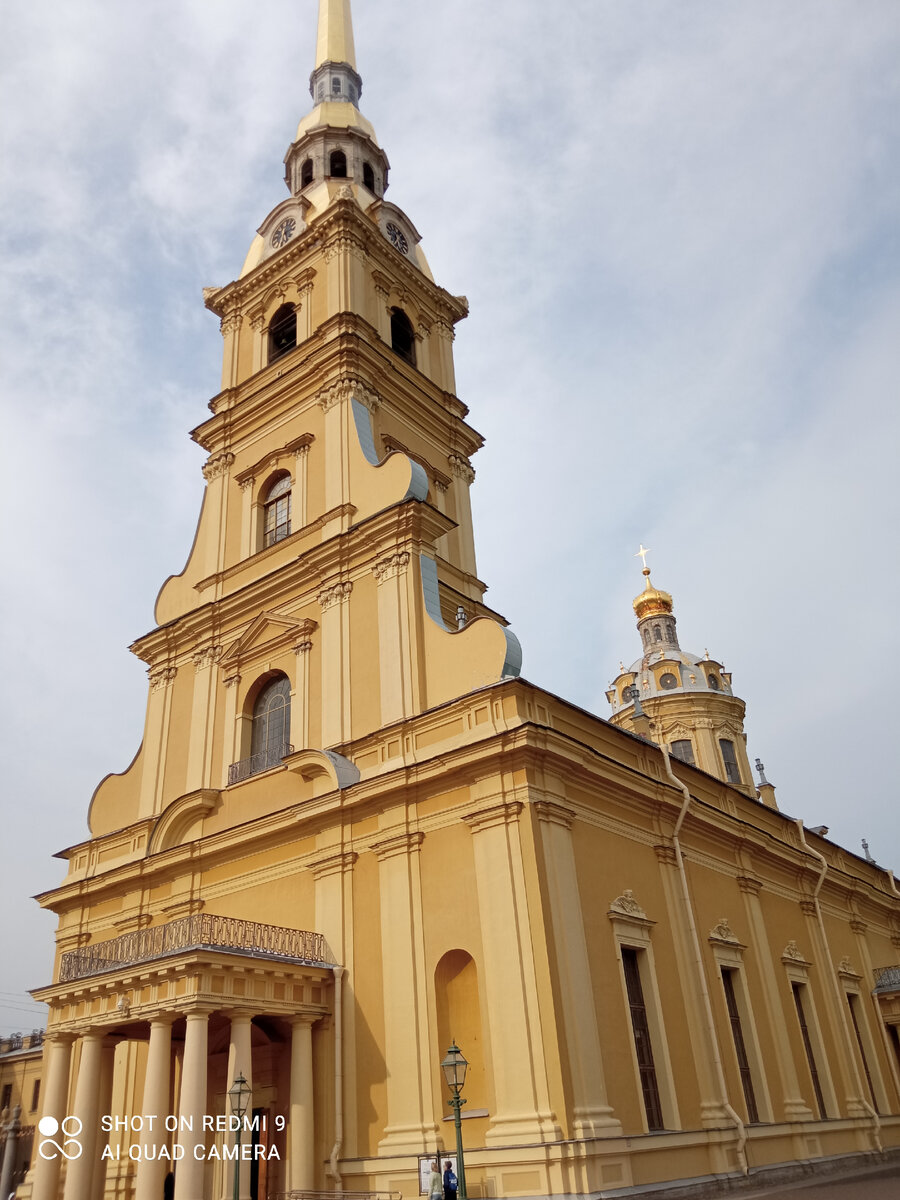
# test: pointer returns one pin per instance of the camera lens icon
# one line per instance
(48, 1126)
(70, 1147)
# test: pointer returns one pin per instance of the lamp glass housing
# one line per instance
(454, 1067)
(238, 1096)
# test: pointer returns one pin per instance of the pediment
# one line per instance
(264, 633)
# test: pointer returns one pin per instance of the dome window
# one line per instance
(657, 633)
(306, 173)
(713, 683)
(403, 339)
(338, 165)
(368, 177)
(282, 331)
(336, 87)
(729, 761)
(668, 681)
(683, 751)
(629, 694)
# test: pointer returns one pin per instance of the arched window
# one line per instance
(282, 331)
(403, 340)
(338, 164)
(277, 511)
(657, 633)
(368, 177)
(271, 734)
(336, 86)
(306, 173)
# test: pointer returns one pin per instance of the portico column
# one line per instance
(151, 1173)
(80, 1172)
(301, 1166)
(240, 1062)
(58, 1057)
(192, 1106)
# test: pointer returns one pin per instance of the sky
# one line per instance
(676, 222)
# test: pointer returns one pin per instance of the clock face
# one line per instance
(398, 237)
(284, 231)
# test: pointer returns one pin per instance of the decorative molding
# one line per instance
(391, 566)
(230, 323)
(272, 459)
(264, 632)
(444, 330)
(461, 467)
(808, 907)
(247, 482)
(333, 864)
(303, 647)
(161, 677)
(748, 885)
(345, 389)
(336, 593)
(626, 906)
(401, 843)
(206, 656)
(186, 906)
(665, 855)
(793, 953)
(845, 969)
(504, 813)
(554, 814)
(135, 921)
(232, 680)
(216, 465)
(858, 925)
(722, 932)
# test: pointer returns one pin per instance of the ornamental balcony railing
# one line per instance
(202, 931)
(257, 763)
(887, 979)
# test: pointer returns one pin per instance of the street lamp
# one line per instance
(454, 1068)
(238, 1098)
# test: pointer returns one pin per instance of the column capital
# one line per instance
(749, 885)
(554, 814)
(504, 813)
(332, 864)
(400, 843)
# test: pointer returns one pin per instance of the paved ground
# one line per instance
(875, 1183)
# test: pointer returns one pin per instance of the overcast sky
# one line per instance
(676, 222)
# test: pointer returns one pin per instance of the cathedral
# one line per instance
(354, 835)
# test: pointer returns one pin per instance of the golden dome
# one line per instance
(651, 602)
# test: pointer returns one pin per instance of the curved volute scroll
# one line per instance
(179, 822)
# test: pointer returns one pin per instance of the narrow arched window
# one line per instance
(282, 331)
(277, 511)
(403, 340)
(368, 177)
(336, 86)
(338, 164)
(271, 734)
(306, 173)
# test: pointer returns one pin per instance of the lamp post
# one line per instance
(454, 1068)
(238, 1098)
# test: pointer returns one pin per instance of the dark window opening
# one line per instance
(368, 177)
(642, 1045)
(277, 511)
(740, 1048)
(403, 340)
(798, 989)
(629, 694)
(306, 173)
(272, 723)
(668, 681)
(336, 86)
(657, 633)
(713, 682)
(853, 1002)
(894, 1035)
(683, 750)
(338, 165)
(282, 332)
(7, 1096)
(35, 1095)
(729, 760)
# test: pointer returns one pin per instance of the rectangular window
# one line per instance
(894, 1035)
(740, 1048)
(853, 1003)
(683, 750)
(35, 1095)
(7, 1096)
(642, 1045)
(798, 989)
(729, 761)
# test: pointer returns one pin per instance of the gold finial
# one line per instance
(334, 42)
(642, 555)
(651, 601)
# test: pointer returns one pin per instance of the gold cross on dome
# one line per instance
(642, 555)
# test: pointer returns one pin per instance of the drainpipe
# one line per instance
(893, 882)
(842, 1007)
(334, 1169)
(739, 1125)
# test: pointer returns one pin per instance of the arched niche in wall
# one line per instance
(459, 1017)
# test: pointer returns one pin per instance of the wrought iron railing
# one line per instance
(339, 1195)
(887, 979)
(201, 931)
(257, 763)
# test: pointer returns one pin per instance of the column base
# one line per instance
(596, 1122)
(713, 1115)
(411, 1139)
(523, 1128)
(797, 1110)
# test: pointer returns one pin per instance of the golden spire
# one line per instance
(335, 38)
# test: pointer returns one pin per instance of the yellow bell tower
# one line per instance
(686, 700)
(335, 539)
